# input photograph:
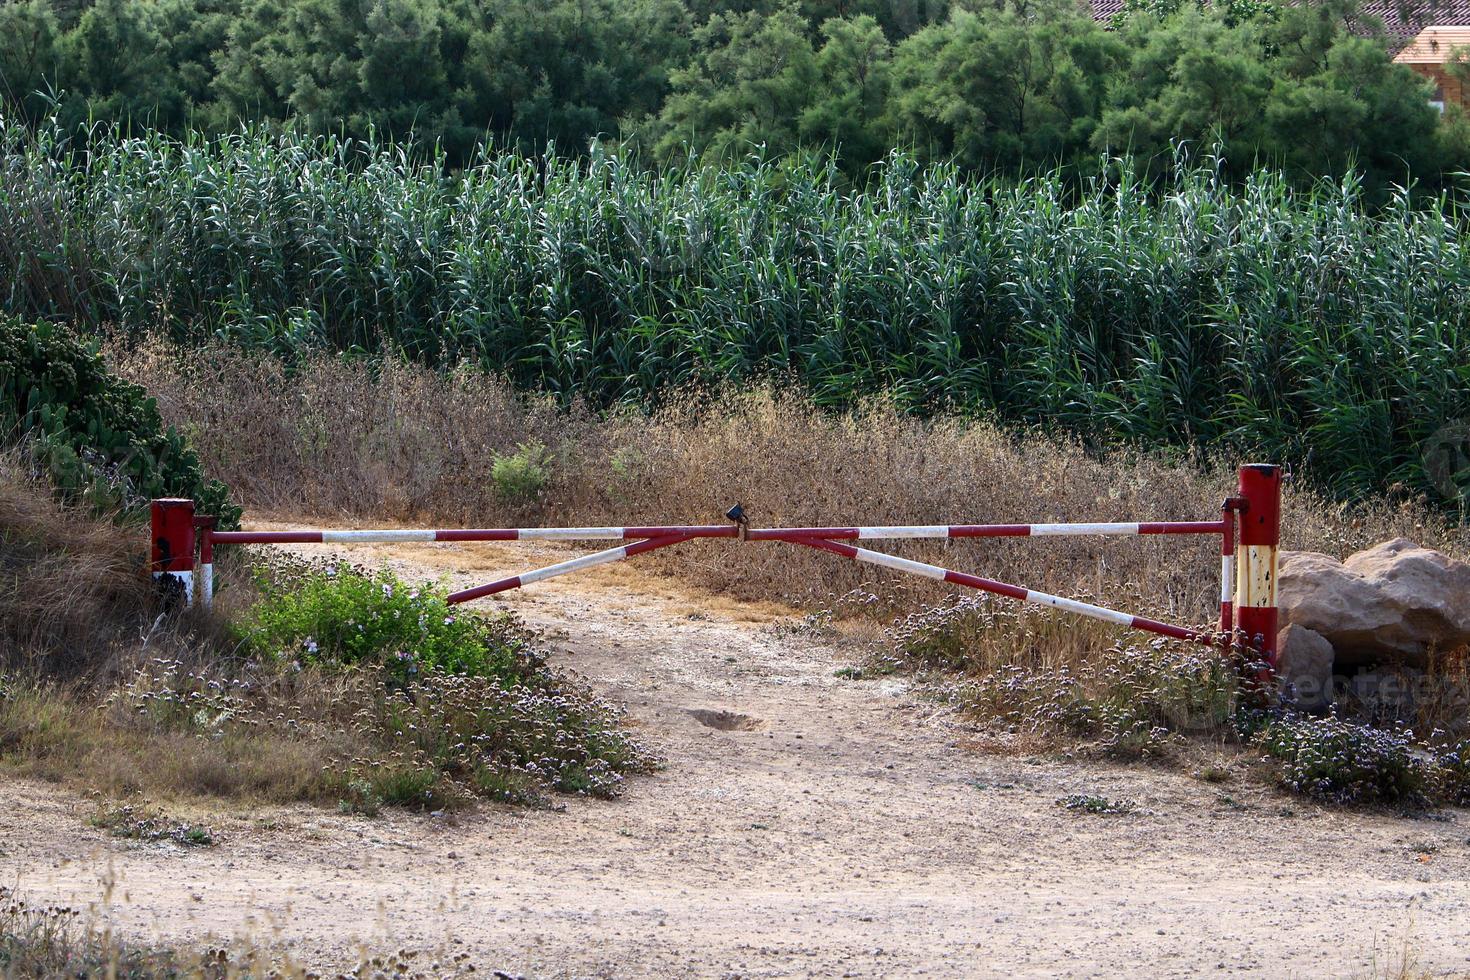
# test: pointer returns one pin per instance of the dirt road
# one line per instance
(831, 828)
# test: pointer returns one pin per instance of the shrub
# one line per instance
(153, 827)
(456, 704)
(506, 740)
(1452, 773)
(1042, 673)
(340, 617)
(519, 476)
(1346, 763)
(1087, 803)
(98, 437)
(1133, 700)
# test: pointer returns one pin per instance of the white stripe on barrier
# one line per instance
(899, 564)
(206, 584)
(586, 561)
(1046, 530)
(568, 533)
(904, 531)
(1080, 608)
(1227, 577)
(375, 537)
(186, 579)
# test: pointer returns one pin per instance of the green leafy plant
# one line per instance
(520, 476)
(99, 438)
(340, 617)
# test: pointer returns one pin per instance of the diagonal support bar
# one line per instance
(575, 564)
(1000, 588)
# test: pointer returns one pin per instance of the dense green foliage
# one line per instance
(1298, 324)
(339, 617)
(1019, 83)
(98, 437)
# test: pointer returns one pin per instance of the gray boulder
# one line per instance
(1305, 662)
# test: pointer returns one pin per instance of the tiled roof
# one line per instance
(1402, 19)
(1432, 45)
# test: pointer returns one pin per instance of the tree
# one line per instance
(28, 58)
(1292, 87)
(1007, 86)
(1338, 100)
(570, 70)
(1192, 78)
(846, 113)
(748, 84)
(117, 62)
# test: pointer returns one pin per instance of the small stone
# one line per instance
(1305, 662)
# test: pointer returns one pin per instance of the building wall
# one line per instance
(1453, 91)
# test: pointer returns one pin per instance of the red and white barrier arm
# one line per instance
(1118, 529)
(575, 564)
(1001, 588)
(390, 535)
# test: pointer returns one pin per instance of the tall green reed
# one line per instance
(1301, 325)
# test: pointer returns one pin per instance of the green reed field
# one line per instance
(1302, 326)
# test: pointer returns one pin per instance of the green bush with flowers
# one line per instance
(339, 616)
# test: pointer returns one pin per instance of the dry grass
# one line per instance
(87, 739)
(69, 584)
(79, 632)
(397, 443)
(58, 943)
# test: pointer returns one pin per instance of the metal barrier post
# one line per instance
(1260, 538)
(172, 562)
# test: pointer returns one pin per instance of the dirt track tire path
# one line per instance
(848, 829)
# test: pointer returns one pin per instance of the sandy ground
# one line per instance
(841, 828)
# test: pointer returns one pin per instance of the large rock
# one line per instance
(1304, 660)
(1394, 602)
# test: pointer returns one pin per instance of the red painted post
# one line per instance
(1260, 537)
(172, 562)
